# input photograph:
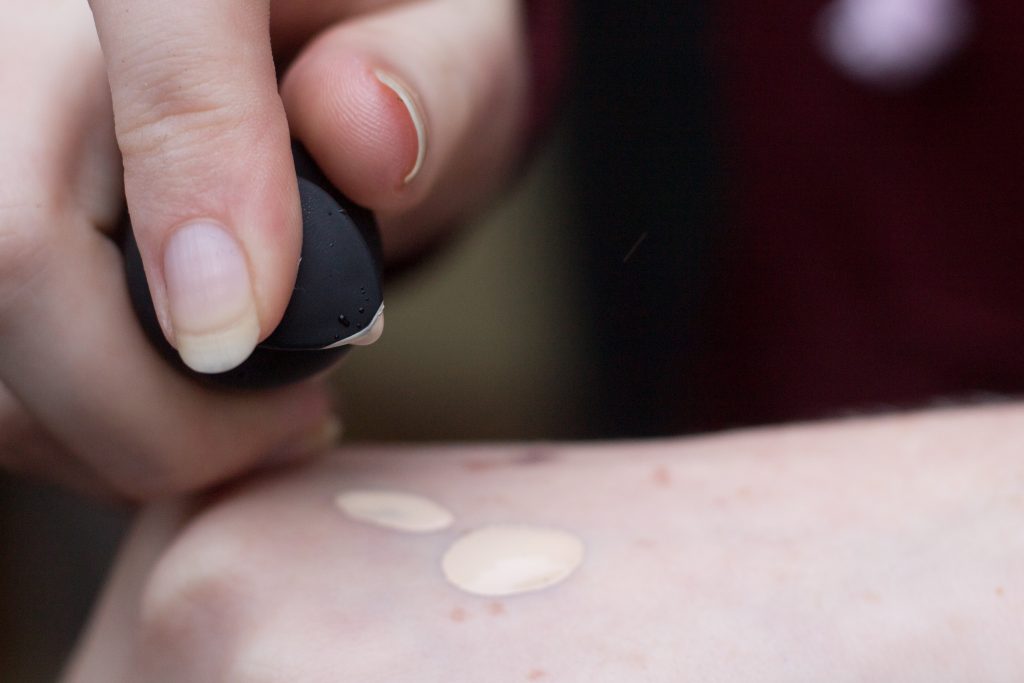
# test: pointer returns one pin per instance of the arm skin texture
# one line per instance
(885, 549)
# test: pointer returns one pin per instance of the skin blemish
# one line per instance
(662, 477)
(535, 674)
(637, 658)
(496, 608)
(458, 615)
(1000, 592)
(394, 510)
(536, 456)
(509, 559)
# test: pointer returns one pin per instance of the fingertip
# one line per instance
(212, 311)
(204, 137)
(364, 124)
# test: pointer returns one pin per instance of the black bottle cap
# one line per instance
(337, 295)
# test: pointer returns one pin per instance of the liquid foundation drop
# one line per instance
(509, 559)
(395, 510)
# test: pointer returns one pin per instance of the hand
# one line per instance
(83, 398)
(412, 110)
(874, 550)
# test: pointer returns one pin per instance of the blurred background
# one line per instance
(746, 212)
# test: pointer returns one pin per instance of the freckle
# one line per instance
(644, 543)
(744, 492)
(957, 624)
(535, 674)
(662, 477)
(999, 591)
(458, 615)
(872, 597)
(496, 608)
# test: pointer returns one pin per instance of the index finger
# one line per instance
(208, 172)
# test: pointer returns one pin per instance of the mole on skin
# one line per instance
(395, 510)
(509, 559)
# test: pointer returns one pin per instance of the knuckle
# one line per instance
(172, 103)
(174, 130)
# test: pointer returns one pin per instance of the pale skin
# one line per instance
(865, 550)
(190, 98)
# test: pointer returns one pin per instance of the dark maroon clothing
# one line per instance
(875, 247)
(547, 28)
(872, 247)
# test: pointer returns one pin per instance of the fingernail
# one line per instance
(409, 101)
(325, 437)
(209, 296)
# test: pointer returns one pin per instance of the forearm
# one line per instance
(878, 549)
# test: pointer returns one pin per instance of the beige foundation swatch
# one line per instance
(394, 510)
(510, 559)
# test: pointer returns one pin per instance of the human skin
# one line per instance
(865, 550)
(201, 134)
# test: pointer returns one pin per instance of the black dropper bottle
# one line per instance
(336, 300)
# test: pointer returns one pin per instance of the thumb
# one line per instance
(209, 178)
